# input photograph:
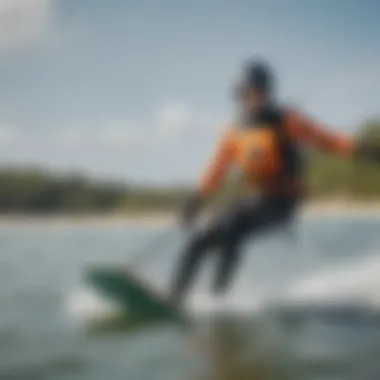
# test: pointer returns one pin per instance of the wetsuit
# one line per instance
(265, 147)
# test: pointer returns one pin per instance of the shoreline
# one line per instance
(341, 207)
(167, 218)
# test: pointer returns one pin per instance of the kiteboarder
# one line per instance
(265, 144)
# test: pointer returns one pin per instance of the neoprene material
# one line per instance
(225, 234)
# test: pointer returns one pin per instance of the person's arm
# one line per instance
(212, 178)
(312, 133)
(307, 131)
(217, 167)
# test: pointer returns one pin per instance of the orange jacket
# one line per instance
(237, 147)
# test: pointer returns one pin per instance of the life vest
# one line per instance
(266, 153)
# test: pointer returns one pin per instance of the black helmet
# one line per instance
(257, 75)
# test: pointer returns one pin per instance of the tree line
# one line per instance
(39, 191)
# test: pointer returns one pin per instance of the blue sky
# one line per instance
(137, 90)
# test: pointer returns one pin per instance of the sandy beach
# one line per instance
(342, 207)
(310, 209)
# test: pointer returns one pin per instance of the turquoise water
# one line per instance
(278, 303)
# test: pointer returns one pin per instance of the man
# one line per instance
(264, 144)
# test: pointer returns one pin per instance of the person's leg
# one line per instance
(195, 251)
(251, 217)
(226, 232)
(200, 245)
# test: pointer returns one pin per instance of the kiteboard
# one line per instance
(134, 294)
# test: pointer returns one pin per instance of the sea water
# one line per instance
(304, 304)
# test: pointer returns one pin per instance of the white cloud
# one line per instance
(7, 135)
(175, 121)
(23, 22)
(118, 135)
(172, 120)
(70, 136)
(121, 149)
(108, 136)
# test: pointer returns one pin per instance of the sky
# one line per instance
(137, 90)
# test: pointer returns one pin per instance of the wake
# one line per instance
(344, 288)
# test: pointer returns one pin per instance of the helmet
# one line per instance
(257, 75)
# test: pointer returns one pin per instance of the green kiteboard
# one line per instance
(133, 294)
